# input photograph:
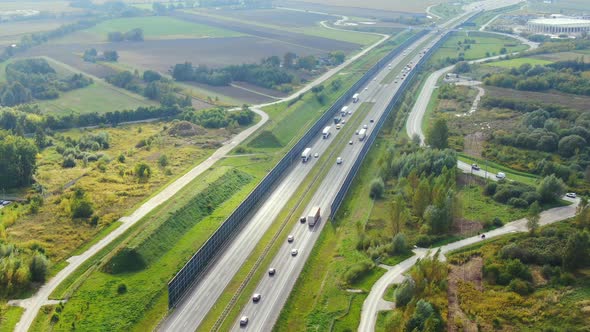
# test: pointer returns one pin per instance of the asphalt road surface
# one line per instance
(372, 304)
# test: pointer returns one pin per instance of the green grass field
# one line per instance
(517, 62)
(160, 27)
(486, 45)
(97, 97)
(478, 207)
(9, 316)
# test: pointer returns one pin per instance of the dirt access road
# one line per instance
(40, 298)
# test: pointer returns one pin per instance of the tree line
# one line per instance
(30, 79)
(565, 77)
(91, 55)
(272, 72)
(131, 35)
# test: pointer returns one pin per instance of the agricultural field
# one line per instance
(291, 21)
(41, 5)
(418, 6)
(11, 32)
(154, 28)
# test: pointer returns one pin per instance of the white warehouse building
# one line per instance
(559, 25)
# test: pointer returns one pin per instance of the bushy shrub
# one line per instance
(490, 188)
(521, 287)
(518, 202)
(377, 188)
(357, 272)
(404, 293)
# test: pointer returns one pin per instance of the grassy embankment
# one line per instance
(92, 279)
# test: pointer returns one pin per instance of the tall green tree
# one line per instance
(18, 161)
(577, 251)
(421, 198)
(399, 214)
(533, 218)
(551, 189)
(438, 135)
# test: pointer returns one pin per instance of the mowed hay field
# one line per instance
(41, 5)
(413, 6)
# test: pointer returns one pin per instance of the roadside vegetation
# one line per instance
(537, 281)
(537, 136)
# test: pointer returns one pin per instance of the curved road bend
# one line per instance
(372, 304)
(41, 297)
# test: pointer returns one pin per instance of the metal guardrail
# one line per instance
(199, 262)
(374, 133)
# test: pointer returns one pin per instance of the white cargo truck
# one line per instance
(306, 154)
(355, 98)
(344, 111)
(313, 216)
(326, 132)
(362, 134)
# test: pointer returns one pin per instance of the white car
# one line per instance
(256, 297)
(339, 160)
(349, 142)
(571, 195)
(316, 155)
(294, 252)
(290, 238)
(501, 175)
(365, 126)
(244, 321)
(272, 271)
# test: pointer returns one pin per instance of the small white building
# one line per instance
(559, 24)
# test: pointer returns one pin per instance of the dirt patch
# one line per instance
(470, 272)
(538, 278)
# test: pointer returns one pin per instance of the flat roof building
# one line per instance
(559, 25)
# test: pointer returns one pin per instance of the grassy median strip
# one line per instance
(269, 246)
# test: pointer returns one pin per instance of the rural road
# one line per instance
(33, 304)
(373, 302)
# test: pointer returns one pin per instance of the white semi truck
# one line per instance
(362, 134)
(306, 154)
(355, 98)
(326, 132)
(313, 216)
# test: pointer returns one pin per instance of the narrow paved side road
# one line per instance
(371, 304)
(40, 298)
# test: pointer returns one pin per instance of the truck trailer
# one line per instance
(355, 98)
(326, 132)
(362, 134)
(306, 154)
(313, 215)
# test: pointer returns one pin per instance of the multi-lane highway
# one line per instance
(274, 290)
(195, 306)
(191, 311)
